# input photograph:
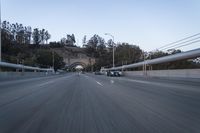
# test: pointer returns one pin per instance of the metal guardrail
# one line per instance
(180, 56)
(23, 67)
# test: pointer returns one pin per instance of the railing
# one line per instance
(23, 67)
(180, 56)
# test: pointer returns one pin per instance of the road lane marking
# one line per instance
(46, 83)
(112, 81)
(94, 80)
(55, 80)
(139, 81)
(99, 83)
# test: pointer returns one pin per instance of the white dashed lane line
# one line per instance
(46, 83)
(112, 81)
(94, 80)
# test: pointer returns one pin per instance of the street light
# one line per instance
(108, 34)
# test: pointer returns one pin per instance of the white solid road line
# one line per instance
(138, 81)
(99, 83)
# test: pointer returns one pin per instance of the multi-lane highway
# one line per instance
(90, 103)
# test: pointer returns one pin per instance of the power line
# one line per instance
(170, 47)
(167, 45)
(187, 44)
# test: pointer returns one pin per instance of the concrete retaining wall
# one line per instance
(181, 73)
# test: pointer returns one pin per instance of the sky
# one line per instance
(147, 23)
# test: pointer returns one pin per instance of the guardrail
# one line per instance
(23, 67)
(180, 56)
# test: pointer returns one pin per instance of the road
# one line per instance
(90, 103)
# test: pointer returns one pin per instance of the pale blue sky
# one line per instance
(147, 23)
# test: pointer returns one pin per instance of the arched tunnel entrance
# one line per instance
(77, 65)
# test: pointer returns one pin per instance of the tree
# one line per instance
(45, 59)
(42, 35)
(28, 31)
(70, 40)
(17, 33)
(109, 43)
(47, 36)
(36, 36)
(20, 34)
(92, 45)
(96, 48)
(73, 38)
(127, 53)
(63, 41)
(84, 40)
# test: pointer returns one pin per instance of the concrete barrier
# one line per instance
(21, 75)
(179, 73)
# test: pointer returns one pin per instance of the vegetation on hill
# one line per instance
(22, 45)
(126, 54)
(19, 48)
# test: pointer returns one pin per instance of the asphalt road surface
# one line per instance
(90, 103)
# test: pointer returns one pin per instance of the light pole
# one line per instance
(113, 48)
